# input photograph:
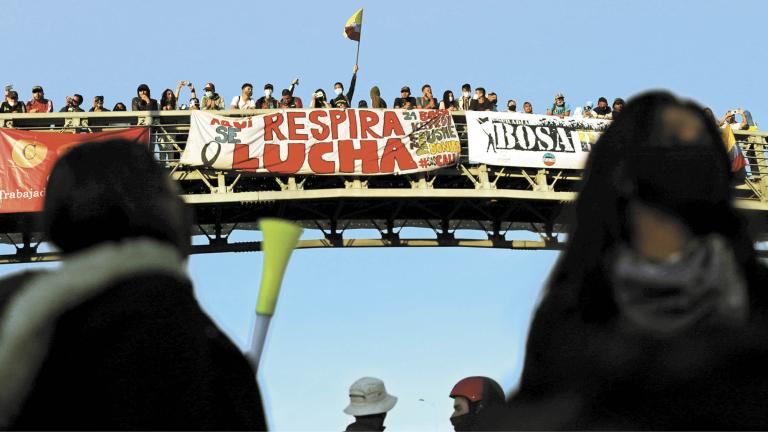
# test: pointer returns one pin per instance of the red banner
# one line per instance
(27, 157)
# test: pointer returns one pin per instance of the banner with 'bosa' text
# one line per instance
(531, 140)
(324, 141)
(27, 158)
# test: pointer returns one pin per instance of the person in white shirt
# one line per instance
(730, 119)
(244, 100)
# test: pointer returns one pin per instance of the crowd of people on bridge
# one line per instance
(468, 100)
(654, 317)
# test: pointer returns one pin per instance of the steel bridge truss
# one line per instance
(503, 205)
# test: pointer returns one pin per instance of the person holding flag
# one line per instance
(352, 31)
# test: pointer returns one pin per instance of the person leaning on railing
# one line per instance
(98, 105)
(143, 101)
(168, 100)
(245, 99)
(376, 100)
(426, 101)
(319, 100)
(212, 100)
(38, 103)
(73, 104)
(11, 103)
(288, 100)
(449, 102)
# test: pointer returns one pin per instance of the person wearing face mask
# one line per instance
(244, 100)
(267, 101)
(11, 103)
(655, 315)
(448, 102)
(212, 100)
(472, 397)
(341, 100)
(319, 100)
(376, 100)
(511, 105)
(466, 97)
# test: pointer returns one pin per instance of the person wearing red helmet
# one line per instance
(471, 396)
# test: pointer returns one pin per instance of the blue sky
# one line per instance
(419, 318)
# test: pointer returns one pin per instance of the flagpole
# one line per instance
(358, 48)
(359, 38)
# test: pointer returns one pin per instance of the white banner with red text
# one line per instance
(531, 140)
(324, 141)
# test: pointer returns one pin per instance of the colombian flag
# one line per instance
(354, 25)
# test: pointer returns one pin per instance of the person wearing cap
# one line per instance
(481, 102)
(267, 101)
(288, 100)
(559, 108)
(426, 101)
(212, 100)
(143, 100)
(466, 97)
(584, 111)
(244, 100)
(471, 396)
(11, 103)
(98, 105)
(38, 103)
(340, 100)
(369, 402)
(405, 101)
(618, 105)
(73, 104)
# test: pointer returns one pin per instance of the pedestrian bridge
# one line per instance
(500, 204)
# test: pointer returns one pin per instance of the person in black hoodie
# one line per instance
(654, 316)
(114, 339)
(342, 101)
(143, 101)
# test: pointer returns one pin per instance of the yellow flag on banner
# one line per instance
(354, 25)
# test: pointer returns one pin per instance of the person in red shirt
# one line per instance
(38, 103)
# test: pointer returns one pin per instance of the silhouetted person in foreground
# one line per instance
(115, 339)
(654, 316)
(369, 402)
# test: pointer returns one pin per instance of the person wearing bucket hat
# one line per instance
(11, 103)
(471, 396)
(559, 108)
(369, 402)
